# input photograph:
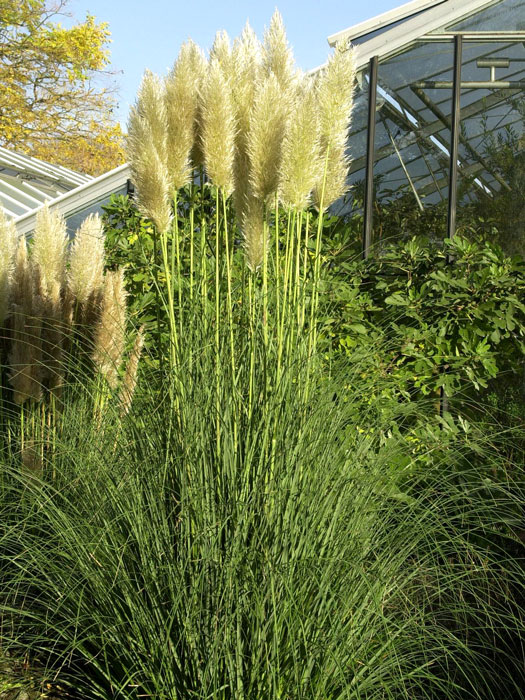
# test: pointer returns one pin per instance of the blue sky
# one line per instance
(148, 34)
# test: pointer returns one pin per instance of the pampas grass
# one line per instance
(181, 96)
(218, 133)
(277, 56)
(49, 249)
(86, 260)
(259, 127)
(301, 164)
(147, 152)
(129, 381)
(264, 142)
(335, 96)
(25, 349)
(8, 240)
(110, 333)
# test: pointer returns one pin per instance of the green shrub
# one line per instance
(431, 317)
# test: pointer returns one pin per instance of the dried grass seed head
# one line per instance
(254, 234)
(150, 106)
(130, 377)
(335, 95)
(301, 163)
(218, 137)
(221, 52)
(264, 142)
(49, 248)
(25, 353)
(333, 180)
(110, 333)
(277, 54)
(22, 288)
(247, 59)
(86, 260)
(181, 96)
(146, 147)
(8, 242)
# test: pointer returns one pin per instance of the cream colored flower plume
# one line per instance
(25, 353)
(264, 143)
(49, 249)
(277, 55)
(222, 53)
(335, 95)
(247, 71)
(301, 164)
(182, 95)
(8, 240)
(110, 333)
(247, 66)
(22, 288)
(146, 147)
(218, 137)
(86, 261)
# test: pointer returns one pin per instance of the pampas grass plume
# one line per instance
(255, 245)
(247, 66)
(335, 95)
(218, 137)
(8, 238)
(301, 159)
(49, 249)
(86, 262)
(25, 353)
(22, 281)
(110, 333)
(265, 138)
(181, 95)
(222, 53)
(130, 378)
(146, 148)
(277, 55)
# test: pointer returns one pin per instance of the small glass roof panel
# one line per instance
(504, 16)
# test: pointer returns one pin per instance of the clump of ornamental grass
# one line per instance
(265, 135)
(64, 320)
(307, 559)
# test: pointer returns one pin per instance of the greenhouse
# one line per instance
(438, 129)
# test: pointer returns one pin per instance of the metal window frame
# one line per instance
(370, 153)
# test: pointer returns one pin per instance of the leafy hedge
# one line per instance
(432, 316)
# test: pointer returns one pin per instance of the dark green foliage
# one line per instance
(431, 317)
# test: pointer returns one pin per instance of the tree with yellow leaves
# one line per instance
(52, 103)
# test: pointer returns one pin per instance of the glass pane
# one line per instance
(504, 16)
(412, 142)
(386, 28)
(492, 145)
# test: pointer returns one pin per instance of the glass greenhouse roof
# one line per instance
(26, 182)
(414, 96)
